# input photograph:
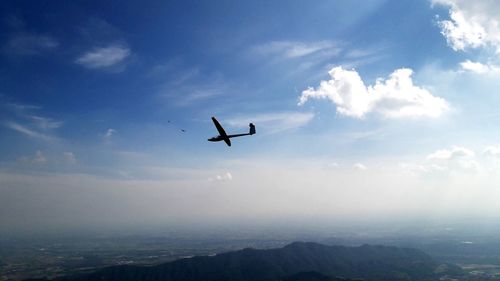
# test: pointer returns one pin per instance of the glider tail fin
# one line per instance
(252, 129)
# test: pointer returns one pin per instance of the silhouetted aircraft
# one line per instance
(225, 137)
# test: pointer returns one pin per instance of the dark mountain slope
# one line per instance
(315, 276)
(367, 262)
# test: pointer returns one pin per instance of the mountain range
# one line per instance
(299, 261)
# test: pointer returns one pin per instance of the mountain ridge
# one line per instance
(368, 262)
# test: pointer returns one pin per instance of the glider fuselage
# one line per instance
(225, 137)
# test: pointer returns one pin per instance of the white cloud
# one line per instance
(21, 108)
(363, 53)
(223, 177)
(109, 134)
(478, 67)
(27, 131)
(103, 57)
(359, 166)
(200, 94)
(29, 124)
(273, 122)
(291, 49)
(393, 97)
(46, 123)
(452, 153)
(186, 86)
(454, 159)
(472, 24)
(69, 157)
(468, 165)
(493, 151)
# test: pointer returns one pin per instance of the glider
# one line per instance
(225, 137)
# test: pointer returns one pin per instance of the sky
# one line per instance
(363, 109)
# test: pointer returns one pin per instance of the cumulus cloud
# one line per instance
(273, 122)
(472, 24)
(456, 158)
(453, 161)
(478, 67)
(452, 153)
(103, 57)
(393, 97)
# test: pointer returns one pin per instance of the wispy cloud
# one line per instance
(359, 166)
(361, 53)
(313, 58)
(21, 118)
(227, 176)
(493, 151)
(273, 122)
(22, 107)
(29, 44)
(108, 136)
(294, 49)
(103, 57)
(69, 157)
(38, 159)
(200, 94)
(27, 131)
(186, 86)
(46, 123)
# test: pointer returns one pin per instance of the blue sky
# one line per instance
(350, 98)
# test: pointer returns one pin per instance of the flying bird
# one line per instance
(175, 126)
(225, 137)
